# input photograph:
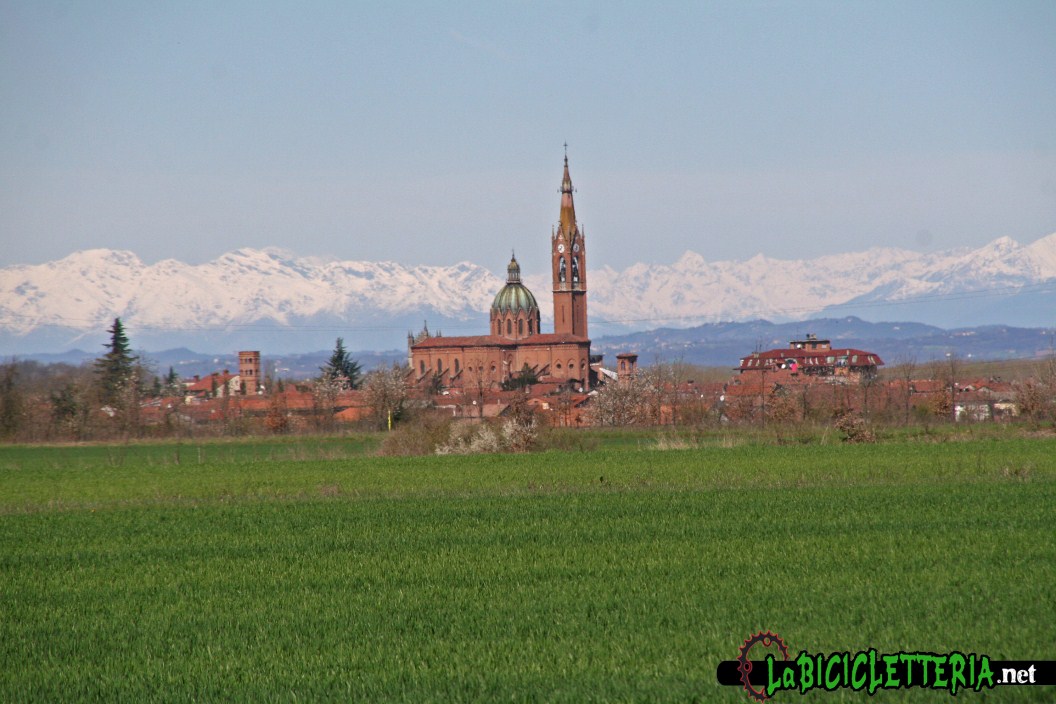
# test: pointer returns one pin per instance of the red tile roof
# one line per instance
(496, 341)
(206, 383)
(810, 358)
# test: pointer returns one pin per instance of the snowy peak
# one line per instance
(82, 292)
(1043, 255)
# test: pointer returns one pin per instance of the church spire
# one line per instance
(568, 208)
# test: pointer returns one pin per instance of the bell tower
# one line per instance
(569, 255)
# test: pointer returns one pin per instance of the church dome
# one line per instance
(514, 296)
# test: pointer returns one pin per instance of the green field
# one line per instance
(309, 569)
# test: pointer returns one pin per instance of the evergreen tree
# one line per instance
(116, 370)
(172, 385)
(342, 368)
(10, 401)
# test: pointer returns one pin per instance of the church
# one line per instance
(515, 344)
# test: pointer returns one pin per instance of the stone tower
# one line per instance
(249, 371)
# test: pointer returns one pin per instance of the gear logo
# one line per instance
(762, 641)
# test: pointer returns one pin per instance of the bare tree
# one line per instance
(906, 369)
(621, 404)
(949, 374)
(386, 394)
(324, 400)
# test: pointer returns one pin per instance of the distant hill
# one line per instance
(723, 344)
(712, 344)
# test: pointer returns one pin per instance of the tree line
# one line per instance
(119, 395)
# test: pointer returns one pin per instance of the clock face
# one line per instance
(561, 248)
(575, 247)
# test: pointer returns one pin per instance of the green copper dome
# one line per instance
(514, 296)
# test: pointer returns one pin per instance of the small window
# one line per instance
(520, 326)
(439, 366)
(421, 366)
(854, 359)
(509, 327)
(457, 368)
(558, 365)
(530, 327)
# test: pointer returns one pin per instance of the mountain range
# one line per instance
(278, 302)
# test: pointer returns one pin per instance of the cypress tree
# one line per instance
(116, 370)
(342, 367)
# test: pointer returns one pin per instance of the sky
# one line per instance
(433, 132)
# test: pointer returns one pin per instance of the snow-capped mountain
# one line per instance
(694, 291)
(272, 299)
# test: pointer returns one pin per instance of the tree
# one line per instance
(621, 404)
(386, 391)
(116, 371)
(10, 402)
(906, 365)
(172, 385)
(341, 368)
(524, 378)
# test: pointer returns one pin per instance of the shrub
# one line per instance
(511, 435)
(854, 428)
(420, 436)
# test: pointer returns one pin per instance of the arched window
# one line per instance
(509, 326)
(520, 326)
(530, 327)
(623, 365)
(439, 366)
(421, 365)
(457, 368)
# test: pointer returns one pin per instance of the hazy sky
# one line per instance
(432, 132)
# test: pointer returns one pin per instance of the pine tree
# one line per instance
(342, 368)
(116, 370)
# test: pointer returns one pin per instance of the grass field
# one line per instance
(311, 570)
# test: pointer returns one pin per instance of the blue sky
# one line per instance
(429, 133)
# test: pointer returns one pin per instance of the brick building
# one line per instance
(515, 343)
(807, 358)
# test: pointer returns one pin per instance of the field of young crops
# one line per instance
(312, 570)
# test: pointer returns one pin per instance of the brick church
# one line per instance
(515, 343)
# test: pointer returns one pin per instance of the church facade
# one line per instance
(515, 343)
